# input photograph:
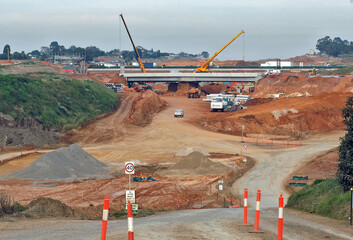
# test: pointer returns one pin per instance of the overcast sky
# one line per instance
(273, 28)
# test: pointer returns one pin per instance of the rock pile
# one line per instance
(69, 164)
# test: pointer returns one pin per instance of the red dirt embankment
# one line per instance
(282, 117)
(294, 86)
(144, 108)
(112, 127)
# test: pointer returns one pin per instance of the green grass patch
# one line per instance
(9, 206)
(323, 197)
(141, 213)
(55, 102)
(345, 70)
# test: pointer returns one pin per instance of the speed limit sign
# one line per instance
(129, 167)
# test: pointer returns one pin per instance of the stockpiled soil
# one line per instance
(69, 163)
(53, 101)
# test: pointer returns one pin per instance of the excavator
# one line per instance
(206, 66)
(137, 55)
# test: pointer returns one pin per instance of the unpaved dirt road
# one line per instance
(159, 142)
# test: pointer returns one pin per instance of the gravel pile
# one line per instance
(70, 163)
(187, 150)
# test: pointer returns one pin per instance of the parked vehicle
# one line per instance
(178, 113)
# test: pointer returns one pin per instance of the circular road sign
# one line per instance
(129, 168)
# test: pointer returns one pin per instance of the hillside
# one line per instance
(54, 102)
(34, 108)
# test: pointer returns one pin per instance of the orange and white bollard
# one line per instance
(257, 212)
(245, 206)
(105, 217)
(280, 218)
(130, 222)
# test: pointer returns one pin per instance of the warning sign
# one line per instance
(130, 196)
(245, 146)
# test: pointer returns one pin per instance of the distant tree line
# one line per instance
(334, 47)
(47, 53)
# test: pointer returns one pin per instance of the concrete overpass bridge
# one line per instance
(143, 78)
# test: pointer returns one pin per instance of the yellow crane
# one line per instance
(137, 55)
(206, 65)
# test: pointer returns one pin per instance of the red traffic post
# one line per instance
(105, 217)
(245, 206)
(257, 212)
(130, 222)
(280, 218)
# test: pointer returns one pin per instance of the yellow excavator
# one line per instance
(137, 55)
(206, 66)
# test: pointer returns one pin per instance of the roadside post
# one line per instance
(242, 133)
(105, 217)
(351, 205)
(245, 206)
(129, 169)
(257, 212)
(280, 218)
(130, 222)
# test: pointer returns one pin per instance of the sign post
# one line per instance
(242, 133)
(220, 185)
(129, 169)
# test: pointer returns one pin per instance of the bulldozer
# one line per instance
(194, 93)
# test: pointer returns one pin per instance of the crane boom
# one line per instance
(137, 55)
(205, 66)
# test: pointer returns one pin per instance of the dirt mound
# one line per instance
(188, 150)
(144, 108)
(214, 88)
(301, 114)
(196, 163)
(297, 86)
(47, 207)
(70, 163)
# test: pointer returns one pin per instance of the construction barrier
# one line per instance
(245, 206)
(280, 218)
(257, 210)
(130, 222)
(105, 217)
(266, 141)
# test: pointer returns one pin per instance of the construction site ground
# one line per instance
(114, 140)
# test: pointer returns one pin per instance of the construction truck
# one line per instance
(224, 104)
(194, 93)
(313, 72)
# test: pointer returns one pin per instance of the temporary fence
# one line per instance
(219, 198)
(268, 141)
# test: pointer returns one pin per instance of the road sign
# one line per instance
(129, 167)
(245, 146)
(242, 127)
(135, 208)
(130, 196)
(220, 187)
(220, 181)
